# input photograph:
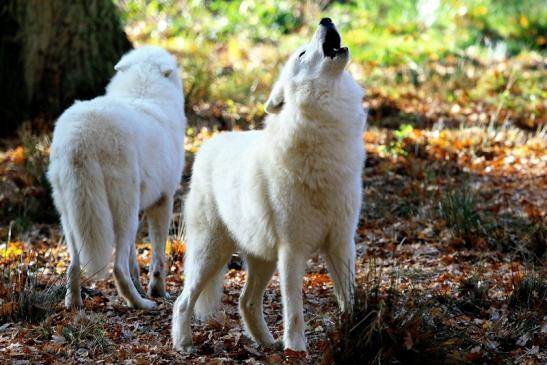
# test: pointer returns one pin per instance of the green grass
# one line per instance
(30, 300)
(87, 331)
(530, 294)
(458, 208)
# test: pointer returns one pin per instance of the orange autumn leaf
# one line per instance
(292, 356)
(532, 211)
(18, 156)
(11, 250)
(144, 260)
(518, 277)
(318, 279)
(175, 247)
(7, 309)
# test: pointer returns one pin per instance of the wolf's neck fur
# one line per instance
(151, 96)
(316, 152)
(138, 84)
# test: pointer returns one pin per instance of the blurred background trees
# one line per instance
(53, 52)
(456, 51)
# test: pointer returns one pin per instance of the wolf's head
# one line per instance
(314, 73)
(146, 71)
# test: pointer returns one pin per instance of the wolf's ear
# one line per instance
(276, 99)
(166, 69)
(122, 65)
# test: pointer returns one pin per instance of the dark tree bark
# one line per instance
(53, 52)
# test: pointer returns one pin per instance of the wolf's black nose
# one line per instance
(326, 21)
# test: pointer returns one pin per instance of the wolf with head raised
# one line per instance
(279, 195)
(113, 157)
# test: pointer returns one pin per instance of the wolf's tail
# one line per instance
(80, 195)
(208, 301)
(204, 257)
(208, 249)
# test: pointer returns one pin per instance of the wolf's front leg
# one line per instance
(291, 267)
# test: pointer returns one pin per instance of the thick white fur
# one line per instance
(112, 157)
(277, 196)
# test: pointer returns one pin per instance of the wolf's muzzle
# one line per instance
(332, 40)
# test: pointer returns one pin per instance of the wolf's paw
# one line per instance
(156, 290)
(73, 301)
(145, 304)
(277, 345)
(184, 347)
(269, 342)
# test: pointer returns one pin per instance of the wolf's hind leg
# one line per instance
(73, 298)
(206, 254)
(125, 215)
(135, 271)
(158, 218)
(122, 275)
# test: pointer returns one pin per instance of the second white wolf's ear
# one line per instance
(276, 99)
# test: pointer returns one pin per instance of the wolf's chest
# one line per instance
(307, 185)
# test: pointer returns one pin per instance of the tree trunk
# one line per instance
(53, 52)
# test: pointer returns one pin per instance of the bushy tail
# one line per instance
(209, 299)
(80, 195)
(206, 252)
(196, 257)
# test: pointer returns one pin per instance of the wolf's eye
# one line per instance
(301, 54)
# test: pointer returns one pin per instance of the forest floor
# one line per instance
(450, 249)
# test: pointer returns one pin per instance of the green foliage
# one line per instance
(218, 20)
(396, 147)
(412, 30)
(414, 35)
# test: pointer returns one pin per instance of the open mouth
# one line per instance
(331, 43)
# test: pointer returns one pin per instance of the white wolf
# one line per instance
(112, 157)
(279, 194)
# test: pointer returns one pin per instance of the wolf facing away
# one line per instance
(278, 195)
(113, 157)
